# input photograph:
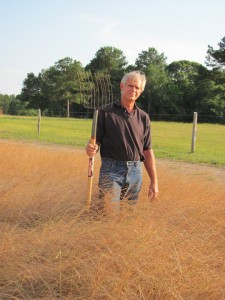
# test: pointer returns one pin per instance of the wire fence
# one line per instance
(179, 137)
(88, 114)
(186, 131)
(188, 118)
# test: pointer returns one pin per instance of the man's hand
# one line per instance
(91, 150)
(153, 191)
(151, 170)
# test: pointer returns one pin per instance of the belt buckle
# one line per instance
(131, 163)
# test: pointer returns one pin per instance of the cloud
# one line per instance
(101, 28)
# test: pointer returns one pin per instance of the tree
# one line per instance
(156, 97)
(5, 101)
(216, 58)
(150, 57)
(211, 94)
(161, 92)
(32, 92)
(215, 102)
(185, 75)
(107, 59)
(199, 89)
(54, 88)
(111, 61)
(62, 81)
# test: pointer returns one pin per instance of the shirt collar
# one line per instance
(118, 104)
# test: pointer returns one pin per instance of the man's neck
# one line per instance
(128, 105)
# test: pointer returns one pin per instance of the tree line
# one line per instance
(178, 88)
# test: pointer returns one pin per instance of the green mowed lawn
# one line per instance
(170, 139)
(74, 132)
(173, 140)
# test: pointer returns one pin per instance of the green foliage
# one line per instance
(54, 87)
(185, 75)
(109, 60)
(156, 97)
(211, 94)
(158, 91)
(150, 57)
(182, 87)
(27, 112)
(5, 102)
(216, 58)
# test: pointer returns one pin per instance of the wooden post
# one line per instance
(68, 108)
(39, 121)
(194, 130)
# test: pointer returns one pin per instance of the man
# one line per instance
(124, 139)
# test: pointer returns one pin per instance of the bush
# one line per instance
(28, 112)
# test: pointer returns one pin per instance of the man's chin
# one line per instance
(131, 99)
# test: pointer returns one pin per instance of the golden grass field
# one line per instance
(52, 248)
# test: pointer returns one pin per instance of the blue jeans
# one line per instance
(120, 179)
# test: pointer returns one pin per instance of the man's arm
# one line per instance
(151, 170)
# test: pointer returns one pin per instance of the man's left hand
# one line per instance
(153, 191)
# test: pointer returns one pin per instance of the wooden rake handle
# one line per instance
(91, 159)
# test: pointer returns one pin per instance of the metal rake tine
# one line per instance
(98, 92)
(105, 91)
(102, 89)
(94, 91)
(78, 76)
(110, 88)
(84, 89)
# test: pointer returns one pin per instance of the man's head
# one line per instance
(136, 75)
(132, 85)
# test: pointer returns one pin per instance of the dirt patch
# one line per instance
(20, 159)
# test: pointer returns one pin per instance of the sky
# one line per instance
(35, 34)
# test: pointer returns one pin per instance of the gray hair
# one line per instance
(135, 74)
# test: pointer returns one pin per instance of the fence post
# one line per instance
(39, 121)
(194, 130)
(68, 108)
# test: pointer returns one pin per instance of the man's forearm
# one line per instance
(150, 165)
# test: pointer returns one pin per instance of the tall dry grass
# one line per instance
(51, 247)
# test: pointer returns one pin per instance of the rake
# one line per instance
(95, 92)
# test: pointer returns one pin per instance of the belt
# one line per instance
(122, 162)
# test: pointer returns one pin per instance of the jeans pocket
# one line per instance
(135, 173)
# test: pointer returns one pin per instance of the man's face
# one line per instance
(131, 89)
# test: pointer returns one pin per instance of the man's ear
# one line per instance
(121, 85)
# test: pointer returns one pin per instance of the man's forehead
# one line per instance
(134, 79)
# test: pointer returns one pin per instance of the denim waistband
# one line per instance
(122, 162)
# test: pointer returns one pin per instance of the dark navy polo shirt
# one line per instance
(123, 136)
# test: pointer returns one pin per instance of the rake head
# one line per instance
(95, 89)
